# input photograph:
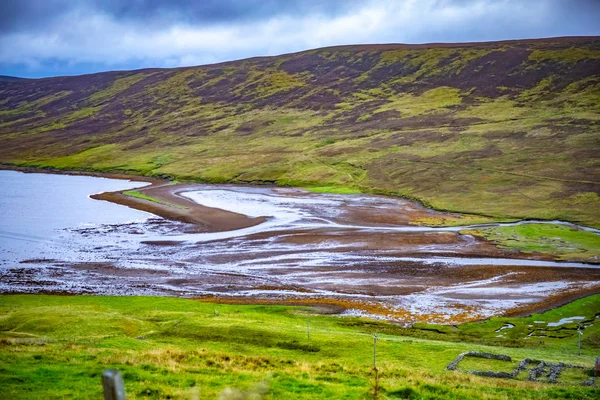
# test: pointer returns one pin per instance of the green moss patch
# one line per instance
(563, 242)
(139, 195)
(334, 190)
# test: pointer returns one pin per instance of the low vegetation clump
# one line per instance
(139, 195)
(57, 347)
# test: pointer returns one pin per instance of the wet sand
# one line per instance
(178, 208)
(286, 271)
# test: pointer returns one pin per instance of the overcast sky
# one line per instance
(66, 37)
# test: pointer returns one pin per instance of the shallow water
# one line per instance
(567, 320)
(38, 210)
(355, 247)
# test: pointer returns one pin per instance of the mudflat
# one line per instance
(365, 254)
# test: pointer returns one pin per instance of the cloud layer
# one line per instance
(57, 37)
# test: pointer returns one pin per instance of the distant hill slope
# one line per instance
(5, 78)
(508, 129)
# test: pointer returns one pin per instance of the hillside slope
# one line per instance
(506, 129)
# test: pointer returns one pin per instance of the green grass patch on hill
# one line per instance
(139, 195)
(563, 242)
(119, 84)
(432, 101)
(333, 189)
(57, 346)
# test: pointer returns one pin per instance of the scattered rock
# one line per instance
(542, 369)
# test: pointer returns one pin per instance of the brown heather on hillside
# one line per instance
(505, 129)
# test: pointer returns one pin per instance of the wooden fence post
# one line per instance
(112, 382)
(308, 329)
(579, 335)
(376, 387)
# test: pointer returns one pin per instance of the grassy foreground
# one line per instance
(57, 347)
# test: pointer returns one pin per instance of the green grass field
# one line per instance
(56, 347)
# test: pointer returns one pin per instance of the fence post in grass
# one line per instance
(579, 334)
(308, 329)
(375, 352)
(376, 387)
(112, 383)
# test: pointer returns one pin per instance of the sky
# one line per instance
(40, 38)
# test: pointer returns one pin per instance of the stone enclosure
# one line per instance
(539, 370)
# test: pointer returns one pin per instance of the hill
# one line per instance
(5, 78)
(504, 129)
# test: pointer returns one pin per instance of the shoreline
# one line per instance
(207, 219)
(97, 174)
(143, 178)
(171, 205)
(339, 306)
(158, 180)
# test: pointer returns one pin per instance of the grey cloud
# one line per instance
(38, 15)
(27, 15)
(35, 15)
(222, 10)
(48, 37)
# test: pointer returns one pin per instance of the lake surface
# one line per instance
(44, 204)
(39, 211)
(358, 248)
